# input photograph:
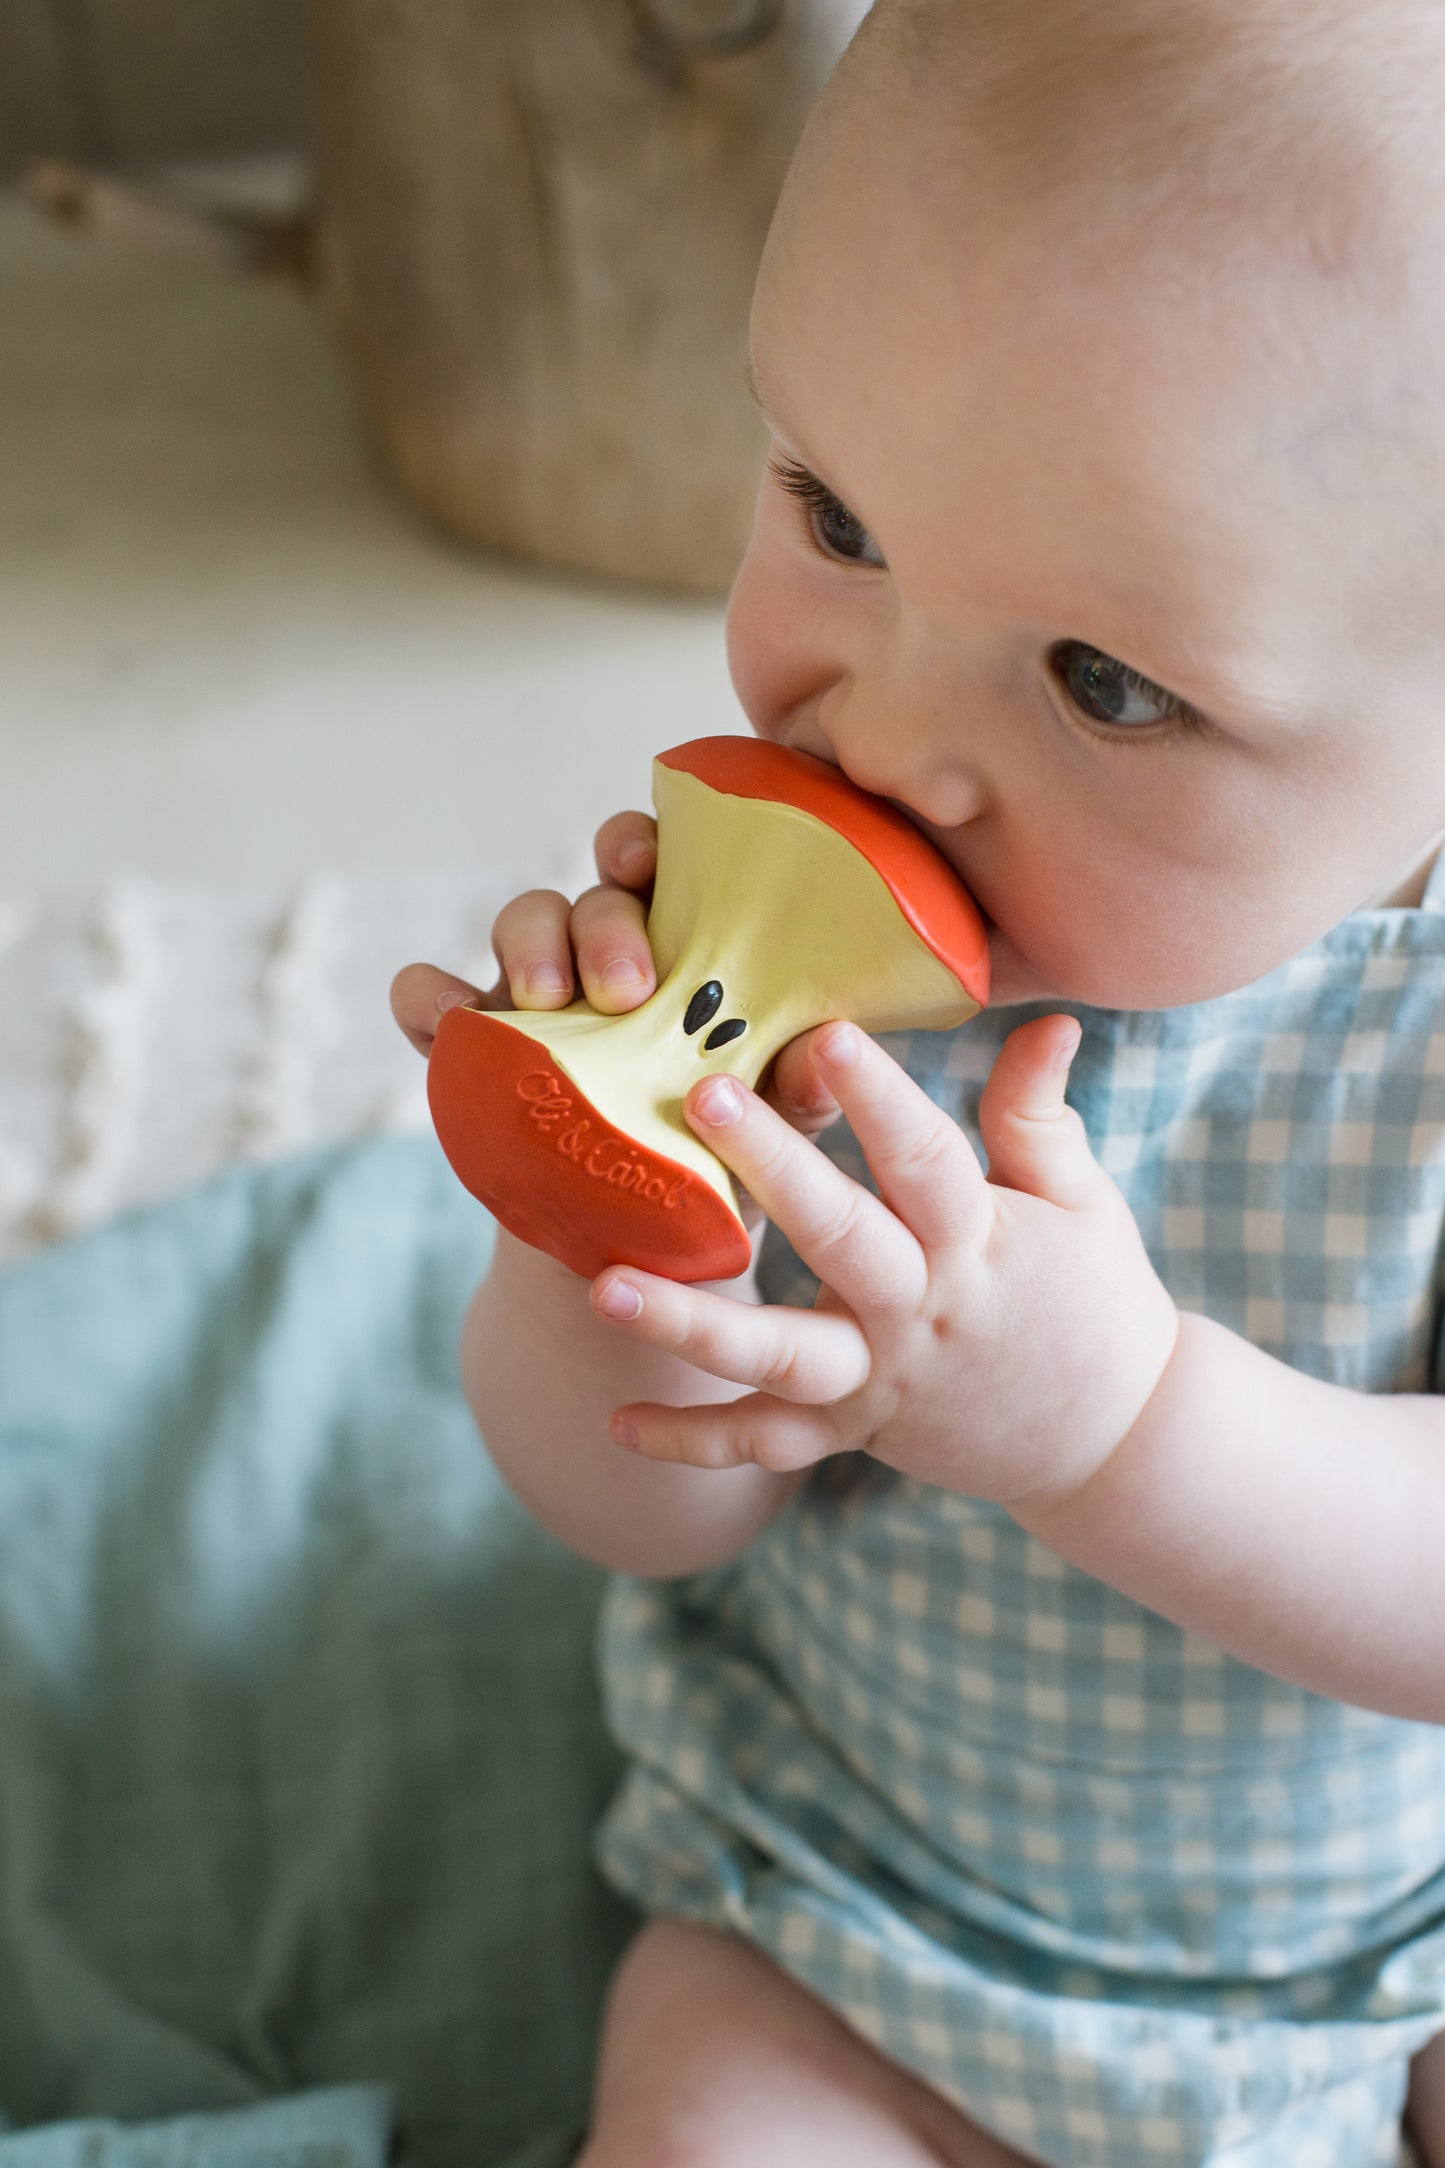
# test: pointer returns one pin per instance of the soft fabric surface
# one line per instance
(153, 1034)
(299, 1746)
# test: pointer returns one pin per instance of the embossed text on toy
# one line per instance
(549, 1106)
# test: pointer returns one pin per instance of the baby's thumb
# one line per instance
(1034, 1141)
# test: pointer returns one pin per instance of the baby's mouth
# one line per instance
(1007, 965)
(1012, 978)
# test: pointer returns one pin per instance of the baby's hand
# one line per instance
(997, 1336)
(547, 947)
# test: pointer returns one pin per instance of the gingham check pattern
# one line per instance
(1126, 1899)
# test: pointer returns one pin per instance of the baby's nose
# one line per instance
(933, 774)
(906, 722)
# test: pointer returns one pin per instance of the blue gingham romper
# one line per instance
(1127, 1901)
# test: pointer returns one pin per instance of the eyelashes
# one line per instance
(800, 482)
(835, 531)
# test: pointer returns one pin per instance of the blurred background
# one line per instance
(374, 457)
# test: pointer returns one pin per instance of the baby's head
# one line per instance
(1104, 346)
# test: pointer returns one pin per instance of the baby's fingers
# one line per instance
(533, 943)
(614, 962)
(808, 1356)
(797, 1089)
(1035, 1140)
(922, 1162)
(754, 1431)
(613, 958)
(626, 850)
(855, 1245)
(420, 996)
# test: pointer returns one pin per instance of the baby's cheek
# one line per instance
(784, 647)
(760, 658)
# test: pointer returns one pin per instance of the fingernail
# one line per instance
(623, 1433)
(1064, 1054)
(451, 999)
(545, 979)
(632, 856)
(619, 1299)
(841, 1045)
(621, 976)
(719, 1101)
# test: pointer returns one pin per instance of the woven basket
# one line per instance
(539, 225)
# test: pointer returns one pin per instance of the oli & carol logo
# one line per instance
(594, 1150)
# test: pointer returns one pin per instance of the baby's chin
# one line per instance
(1013, 978)
(1016, 979)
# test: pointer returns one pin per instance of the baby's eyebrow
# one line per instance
(757, 395)
(759, 399)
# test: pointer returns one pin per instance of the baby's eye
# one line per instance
(1108, 691)
(842, 532)
(837, 531)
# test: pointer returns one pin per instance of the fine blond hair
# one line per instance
(1323, 119)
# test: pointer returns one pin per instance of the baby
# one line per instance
(1032, 1660)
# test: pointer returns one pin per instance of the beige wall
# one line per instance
(140, 79)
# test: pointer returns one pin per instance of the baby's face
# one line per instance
(1125, 586)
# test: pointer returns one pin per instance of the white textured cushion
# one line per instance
(150, 1033)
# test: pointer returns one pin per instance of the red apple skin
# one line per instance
(533, 1149)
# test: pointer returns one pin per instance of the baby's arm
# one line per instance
(1298, 1524)
(1008, 1338)
(543, 1372)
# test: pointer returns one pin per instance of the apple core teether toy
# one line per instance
(784, 897)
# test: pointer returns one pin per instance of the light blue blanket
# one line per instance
(299, 1745)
